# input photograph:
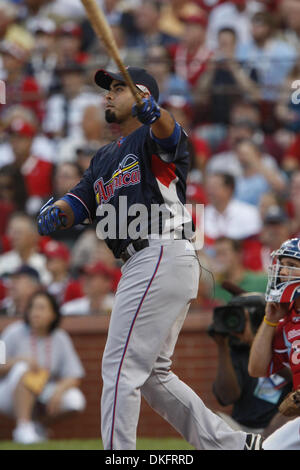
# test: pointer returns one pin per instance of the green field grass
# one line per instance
(95, 444)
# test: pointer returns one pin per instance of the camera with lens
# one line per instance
(231, 318)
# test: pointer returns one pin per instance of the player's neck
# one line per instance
(129, 126)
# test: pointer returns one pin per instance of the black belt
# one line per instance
(132, 248)
(136, 246)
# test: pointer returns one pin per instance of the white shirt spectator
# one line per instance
(229, 162)
(56, 117)
(11, 261)
(227, 15)
(67, 148)
(65, 361)
(6, 154)
(74, 9)
(273, 63)
(71, 9)
(41, 146)
(82, 306)
(238, 221)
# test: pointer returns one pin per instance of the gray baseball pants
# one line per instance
(287, 437)
(152, 300)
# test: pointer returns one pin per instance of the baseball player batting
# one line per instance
(148, 165)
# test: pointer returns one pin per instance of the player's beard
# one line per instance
(110, 116)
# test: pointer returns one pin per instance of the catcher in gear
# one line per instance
(276, 346)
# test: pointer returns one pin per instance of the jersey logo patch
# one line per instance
(127, 174)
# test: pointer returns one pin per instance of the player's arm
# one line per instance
(261, 352)
(226, 386)
(58, 215)
(164, 129)
(66, 209)
(72, 209)
(62, 214)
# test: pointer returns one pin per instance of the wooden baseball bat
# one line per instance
(103, 31)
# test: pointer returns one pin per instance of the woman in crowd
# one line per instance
(42, 371)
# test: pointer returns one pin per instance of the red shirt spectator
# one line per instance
(69, 37)
(73, 291)
(190, 56)
(291, 159)
(271, 5)
(257, 251)
(38, 175)
(62, 286)
(208, 5)
(36, 171)
(201, 150)
(25, 92)
(6, 210)
(21, 88)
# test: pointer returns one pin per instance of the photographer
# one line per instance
(255, 400)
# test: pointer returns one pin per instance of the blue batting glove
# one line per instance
(148, 113)
(50, 218)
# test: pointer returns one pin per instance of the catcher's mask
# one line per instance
(284, 280)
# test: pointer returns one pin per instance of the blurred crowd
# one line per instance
(229, 72)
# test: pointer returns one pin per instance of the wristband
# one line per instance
(269, 322)
(79, 211)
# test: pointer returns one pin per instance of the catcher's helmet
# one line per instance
(284, 287)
